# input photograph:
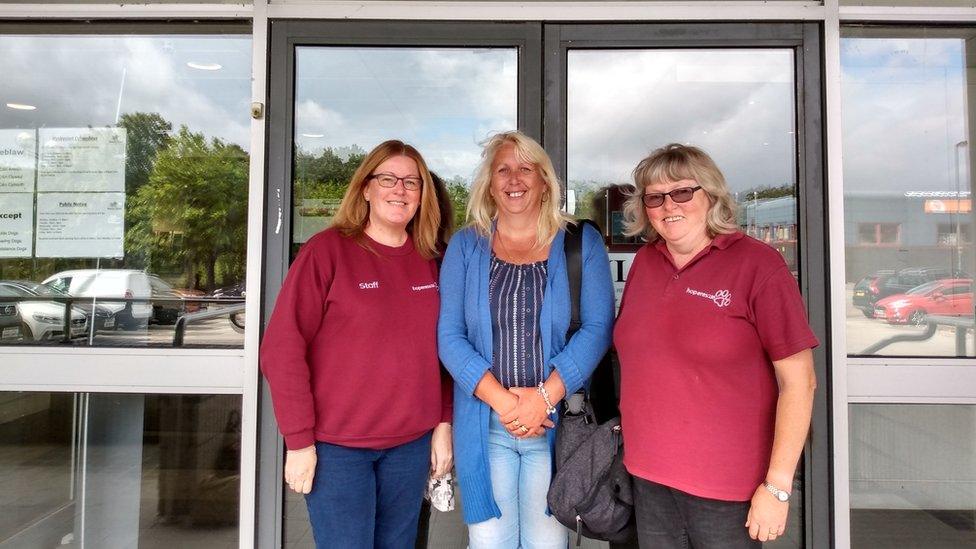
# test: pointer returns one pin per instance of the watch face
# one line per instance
(782, 496)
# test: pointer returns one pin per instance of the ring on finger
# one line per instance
(523, 429)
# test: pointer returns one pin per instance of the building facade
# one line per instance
(161, 163)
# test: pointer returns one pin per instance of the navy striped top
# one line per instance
(515, 295)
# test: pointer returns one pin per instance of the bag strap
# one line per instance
(573, 246)
(602, 391)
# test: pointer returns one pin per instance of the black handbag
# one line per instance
(591, 491)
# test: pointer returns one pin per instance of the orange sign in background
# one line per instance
(948, 206)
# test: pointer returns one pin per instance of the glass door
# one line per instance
(600, 97)
(341, 89)
(749, 96)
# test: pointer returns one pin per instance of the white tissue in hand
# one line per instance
(440, 493)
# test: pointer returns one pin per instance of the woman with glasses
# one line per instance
(505, 309)
(716, 367)
(351, 359)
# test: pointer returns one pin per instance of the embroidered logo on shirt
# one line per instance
(721, 298)
(369, 285)
(424, 287)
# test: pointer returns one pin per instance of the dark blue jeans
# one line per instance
(672, 519)
(366, 499)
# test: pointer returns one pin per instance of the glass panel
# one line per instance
(907, 189)
(737, 105)
(444, 101)
(123, 187)
(913, 476)
(107, 470)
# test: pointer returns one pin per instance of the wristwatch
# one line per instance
(781, 495)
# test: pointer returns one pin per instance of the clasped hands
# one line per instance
(526, 416)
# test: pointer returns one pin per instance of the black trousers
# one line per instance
(672, 519)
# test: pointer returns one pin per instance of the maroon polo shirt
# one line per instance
(696, 345)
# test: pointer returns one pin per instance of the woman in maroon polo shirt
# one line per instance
(717, 376)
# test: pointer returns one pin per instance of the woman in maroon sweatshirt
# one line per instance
(351, 359)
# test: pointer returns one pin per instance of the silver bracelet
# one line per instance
(541, 389)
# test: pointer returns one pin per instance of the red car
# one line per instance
(951, 297)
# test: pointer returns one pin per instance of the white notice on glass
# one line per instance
(81, 160)
(17, 161)
(16, 224)
(80, 224)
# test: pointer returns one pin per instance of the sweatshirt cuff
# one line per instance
(570, 373)
(447, 414)
(471, 374)
(297, 441)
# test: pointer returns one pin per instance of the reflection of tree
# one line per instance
(146, 134)
(760, 193)
(457, 189)
(192, 211)
(326, 177)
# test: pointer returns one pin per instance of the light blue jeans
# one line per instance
(520, 474)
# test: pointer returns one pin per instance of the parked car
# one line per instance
(235, 294)
(867, 289)
(169, 303)
(9, 317)
(103, 316)
(43, 320)
(951, 297)
(236, 291)
(106, 284)
(881, 284)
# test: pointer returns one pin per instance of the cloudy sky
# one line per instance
(443, 101)
(903, 101)
(81, 81)
(904, 104)
(735, 104)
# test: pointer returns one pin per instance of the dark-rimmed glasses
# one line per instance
(389, 181)
(679, 195)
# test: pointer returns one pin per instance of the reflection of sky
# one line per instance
(903, 114)
(444, 101)
(738, 105)
(77, 81)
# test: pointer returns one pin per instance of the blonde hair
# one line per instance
(482, 210)
(353, 214)
(675, 162)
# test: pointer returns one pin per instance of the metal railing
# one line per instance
(961, 324)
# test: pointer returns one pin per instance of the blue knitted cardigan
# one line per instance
(465, 343)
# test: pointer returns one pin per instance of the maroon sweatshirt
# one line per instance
(350, 352)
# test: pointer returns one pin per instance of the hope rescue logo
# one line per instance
(721, 298)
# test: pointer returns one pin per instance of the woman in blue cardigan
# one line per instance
(505, 309)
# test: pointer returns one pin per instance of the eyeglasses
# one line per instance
(679, 196)
(389, 181)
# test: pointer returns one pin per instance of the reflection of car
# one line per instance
(9, 317)
(42, 320)
(882, 284)
(952, 297)
(867, 289)
(169, 303)
(237, 293)
(104, 317)
(237, 290)
(105, 284)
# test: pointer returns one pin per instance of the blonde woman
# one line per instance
(505, 309)
(351, 359)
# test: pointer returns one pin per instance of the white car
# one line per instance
(106, 284)
(44, 320)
